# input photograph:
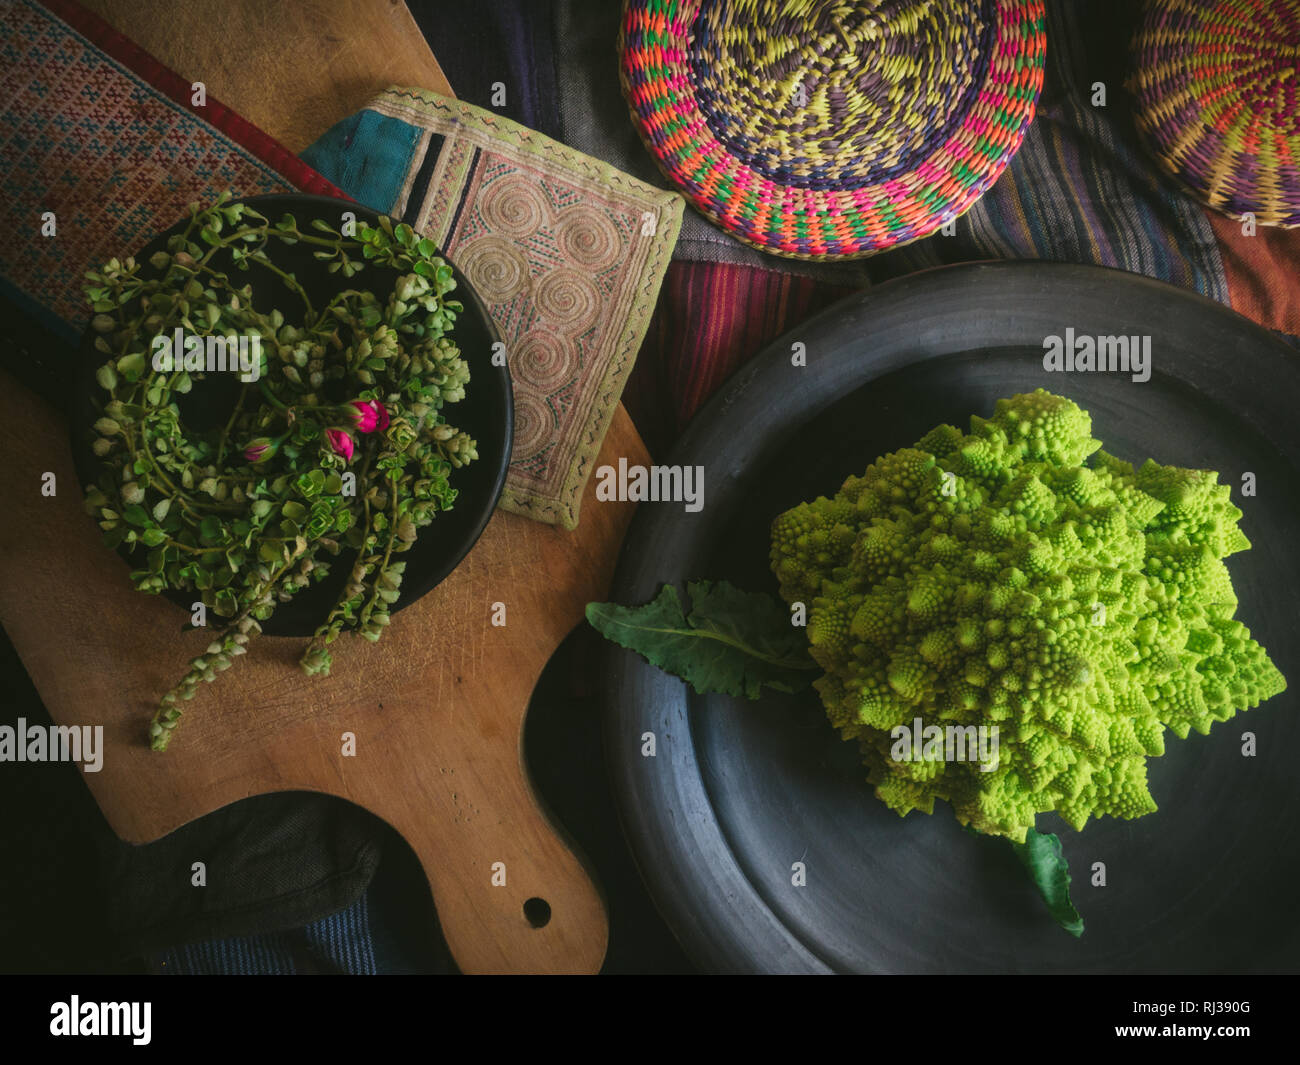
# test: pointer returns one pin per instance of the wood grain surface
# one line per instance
(291, 67)
(437, 706)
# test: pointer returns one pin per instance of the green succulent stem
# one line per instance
(186, 507)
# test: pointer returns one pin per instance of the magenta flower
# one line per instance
(368, 415)
(340, 442)
(260, 449)
(364, 415)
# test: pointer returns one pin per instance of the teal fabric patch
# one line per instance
(368, 154)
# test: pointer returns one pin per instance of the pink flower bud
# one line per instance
(368, 415)
(364, 415)
(340, 442)
(260, 449)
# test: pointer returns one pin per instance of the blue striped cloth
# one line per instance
(390, 929)
(340, 943)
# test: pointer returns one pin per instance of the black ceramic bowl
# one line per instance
(486, 412)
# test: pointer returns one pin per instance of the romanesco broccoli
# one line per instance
(995, 578)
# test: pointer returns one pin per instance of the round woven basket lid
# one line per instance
(1218, 102)
(832, 129)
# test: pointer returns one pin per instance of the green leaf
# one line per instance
(131, 366)
(1041, 855)
(733, 642)
(136, 515)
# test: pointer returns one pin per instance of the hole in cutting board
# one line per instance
(537, 912)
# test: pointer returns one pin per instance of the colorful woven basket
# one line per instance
(1218, 101)
(832, 129)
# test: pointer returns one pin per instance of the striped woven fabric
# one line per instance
(340, 944)
(97, 131)
(1218, 101)
(827, 131)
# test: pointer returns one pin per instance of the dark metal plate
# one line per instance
(738, 791)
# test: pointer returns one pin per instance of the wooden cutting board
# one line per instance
(292, 69)
(436, 707)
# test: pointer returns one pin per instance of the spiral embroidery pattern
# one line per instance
(514, 205)
(542, 361)
(567, 255)
(495, 267)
